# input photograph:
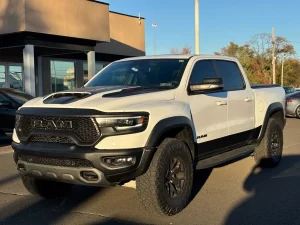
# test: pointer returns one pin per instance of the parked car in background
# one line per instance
(10, 101)
(293, 104)
(288, 89)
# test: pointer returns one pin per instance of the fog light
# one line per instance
(120, 161)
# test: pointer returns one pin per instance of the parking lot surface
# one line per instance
(234, 194)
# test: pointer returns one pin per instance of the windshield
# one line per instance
(165, 73)
(289, 90)
(19, 96)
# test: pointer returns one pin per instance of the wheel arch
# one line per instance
(275, 110)
(171, 128)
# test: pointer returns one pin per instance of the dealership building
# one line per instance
(55, 45)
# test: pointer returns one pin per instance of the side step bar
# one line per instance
(225, 157)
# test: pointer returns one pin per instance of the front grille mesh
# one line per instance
(52, 139)
(84, 129)
(56, 161)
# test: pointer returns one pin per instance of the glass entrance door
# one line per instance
(15, 76)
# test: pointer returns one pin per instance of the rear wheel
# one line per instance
(46, 188)
(269, 152)
(298, 112)
(166, 186)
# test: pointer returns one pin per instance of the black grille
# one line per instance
(56, 161)
(84, 129)
(52, 139)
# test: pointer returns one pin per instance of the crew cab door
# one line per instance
(209, 111)
(240, 101)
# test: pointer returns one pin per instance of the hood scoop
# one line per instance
(65, 97)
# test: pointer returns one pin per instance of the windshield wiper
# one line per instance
(157, 87)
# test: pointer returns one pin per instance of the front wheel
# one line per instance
(269, 152)
(166, 186)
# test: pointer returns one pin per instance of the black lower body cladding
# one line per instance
(70, 157)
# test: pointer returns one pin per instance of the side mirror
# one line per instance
(208, 85)
(5, 104)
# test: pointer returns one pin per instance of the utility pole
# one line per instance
(273, 55)
(282, 69)
(154, 25)
(197, 42)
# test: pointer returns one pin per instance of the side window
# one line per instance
(231, 75)
(202, 69)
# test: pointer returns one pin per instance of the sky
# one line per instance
(221, 21)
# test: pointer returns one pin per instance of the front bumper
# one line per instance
(66, 163)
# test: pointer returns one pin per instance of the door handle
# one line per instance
(219, 103)
(248, 100)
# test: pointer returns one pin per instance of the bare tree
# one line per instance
(185, 50)
(261, 45)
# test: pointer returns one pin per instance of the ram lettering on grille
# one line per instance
(84, 130)
(52, 124)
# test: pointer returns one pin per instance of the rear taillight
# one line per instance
(289, 100)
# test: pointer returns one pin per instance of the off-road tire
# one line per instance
(152, 186)
(46, 188)
(264, 155)
(298, 112)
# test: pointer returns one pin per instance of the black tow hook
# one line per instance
(89, 175)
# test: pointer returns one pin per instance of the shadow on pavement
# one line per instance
(35, 210)
(9, 179)
(200, 178)
(42, 211)
(111, 221)
(275, 197)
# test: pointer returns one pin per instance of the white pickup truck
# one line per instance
(151, 119)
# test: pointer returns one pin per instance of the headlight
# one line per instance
(123, 123)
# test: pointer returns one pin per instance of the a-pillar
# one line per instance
(91, 64)
(29, 74)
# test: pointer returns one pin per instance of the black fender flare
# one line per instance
(166, 125)
(273, 108)
(161, 128)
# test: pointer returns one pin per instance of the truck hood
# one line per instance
(116, 98)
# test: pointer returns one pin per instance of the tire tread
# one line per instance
(147, 184)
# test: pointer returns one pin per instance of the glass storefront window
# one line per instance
(11, 75)
(62, 75)
(15, 77)
(2, 75)
(99, 66)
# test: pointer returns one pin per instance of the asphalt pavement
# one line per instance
(234, 194)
